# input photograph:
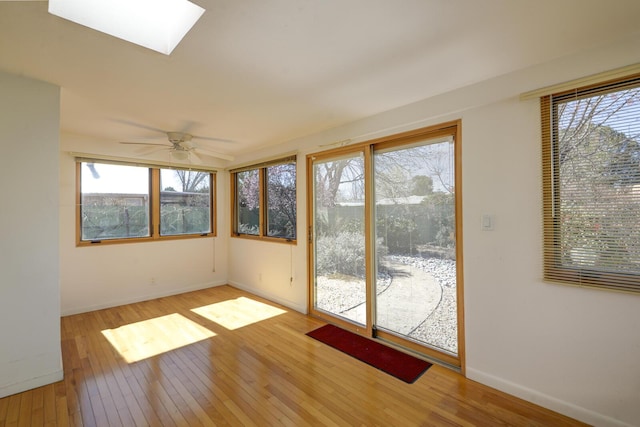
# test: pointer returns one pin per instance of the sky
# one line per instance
(120, 179)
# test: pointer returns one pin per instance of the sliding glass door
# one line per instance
(340, 287)
(414, 202)
(384, 240)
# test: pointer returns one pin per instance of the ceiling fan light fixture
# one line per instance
(180, 154)
(155, 24)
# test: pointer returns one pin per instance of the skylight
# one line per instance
(154, 24)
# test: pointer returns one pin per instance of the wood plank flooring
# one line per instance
(244, 361)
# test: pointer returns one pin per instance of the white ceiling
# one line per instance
(263, 72)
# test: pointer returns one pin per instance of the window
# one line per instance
(114, 202)
(124, 202)
(248, 197)
(384, 221)
(265, 200)
(281, 200)
(185, 202)
(591, 181)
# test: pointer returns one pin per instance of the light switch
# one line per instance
(487, 222)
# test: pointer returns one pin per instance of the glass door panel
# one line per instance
(338, 230)
(415, 254)
(384, 241)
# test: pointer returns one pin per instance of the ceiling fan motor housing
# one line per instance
(178, 137)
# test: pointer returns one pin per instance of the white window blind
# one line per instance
(591, 179)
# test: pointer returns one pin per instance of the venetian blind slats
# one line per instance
(591, 185)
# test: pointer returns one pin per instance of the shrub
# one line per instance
(343, 254)
(248, 229)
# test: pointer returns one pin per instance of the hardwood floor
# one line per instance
(187, 369)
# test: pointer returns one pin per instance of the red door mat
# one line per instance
(401, 365)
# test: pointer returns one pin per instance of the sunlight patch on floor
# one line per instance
(237, 313)
(148, 338)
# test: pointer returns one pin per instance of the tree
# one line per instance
(192, 181)
(597, 156)
(279, 189)
(391, 182)
(581, 119)
(623, 167)
(248, 191)
(331, 176)
(281, 200)
(422, 185)
(440, 208)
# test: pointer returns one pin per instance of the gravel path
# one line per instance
(439, 329)
(429, 282)
(402, 305)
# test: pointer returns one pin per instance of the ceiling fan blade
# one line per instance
(188, 145)
(215, 154)
(180, 141)
(188, 126)
(138, 125)
(149, 150)
(209, 138)
(194, 158)
(143, 143)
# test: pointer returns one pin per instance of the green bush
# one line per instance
(343, 254)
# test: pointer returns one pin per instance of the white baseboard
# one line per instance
(267, 295)
(147, 297)
(544, 400)
(8, 390)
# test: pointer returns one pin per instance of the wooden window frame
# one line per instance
(553, 269)
(368, 148)
(262, 185)
(154, 211)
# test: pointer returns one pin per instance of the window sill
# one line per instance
(265, 238)
(85, 243)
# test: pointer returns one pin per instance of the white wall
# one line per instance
(271, 270)
(30, 354)
(572, 350)
(276, 271)
(96, 277)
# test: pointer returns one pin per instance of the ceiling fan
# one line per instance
(181, 148)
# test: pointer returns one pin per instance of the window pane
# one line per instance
(185, 202)
(281, 201)
(114, 201)
(248, 197)
(598, 187)
(340, 265)
(414, 194)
